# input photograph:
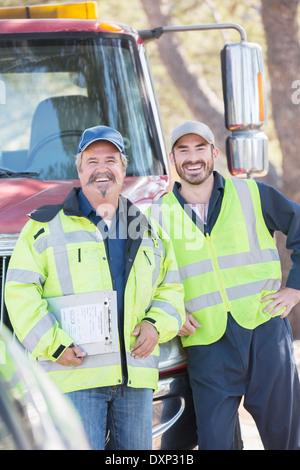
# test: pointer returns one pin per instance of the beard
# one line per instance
(104, 187)
(196, 179)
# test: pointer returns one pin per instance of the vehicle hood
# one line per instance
(20, 196)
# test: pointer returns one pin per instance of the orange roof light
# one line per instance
(83, 10)
(110, 26)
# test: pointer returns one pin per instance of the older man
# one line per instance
(97, 240)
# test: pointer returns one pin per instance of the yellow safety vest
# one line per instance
(46, 263)
(229, 270)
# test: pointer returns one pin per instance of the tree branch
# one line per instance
(200, 99)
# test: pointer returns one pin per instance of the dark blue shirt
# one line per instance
(280, 214)
(115, 241)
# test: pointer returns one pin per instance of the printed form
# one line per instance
(90, 319)
(84, 323)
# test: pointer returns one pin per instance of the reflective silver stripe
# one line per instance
(242, 259)
(150, 362)
(233, 293)
(246, 202)
(24, 277)
(195, 269)
(168, 308)
(89, 362)
(161, 246)
(228, 261)
(146, 242)
(156, 240)
(103, 360)
(61, 257)
(156, 271)
(203, 301)
(172, 277)
(157, 214)
(78, 236)
(149, 242)
(33, 337)
(252, 288)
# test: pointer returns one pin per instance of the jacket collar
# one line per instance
(219, 185)
(71, 207)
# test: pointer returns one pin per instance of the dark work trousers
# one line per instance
(258, 364)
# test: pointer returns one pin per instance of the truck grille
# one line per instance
(4, 319)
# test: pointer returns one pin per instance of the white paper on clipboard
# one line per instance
(90, 319)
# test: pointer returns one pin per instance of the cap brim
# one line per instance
(186, 133)
(102, 139)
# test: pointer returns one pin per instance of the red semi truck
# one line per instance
(62, 70)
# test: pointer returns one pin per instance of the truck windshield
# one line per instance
(51, 90)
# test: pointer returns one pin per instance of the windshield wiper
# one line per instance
(5, 172)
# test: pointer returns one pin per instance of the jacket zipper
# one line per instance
(120, 328)
(124, 367)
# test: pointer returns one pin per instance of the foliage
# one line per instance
(201, 50)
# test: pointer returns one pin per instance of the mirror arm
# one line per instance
(156, 33)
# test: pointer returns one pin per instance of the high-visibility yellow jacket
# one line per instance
(46, 263)
(229, 270)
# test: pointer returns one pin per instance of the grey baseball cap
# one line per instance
(192, 127)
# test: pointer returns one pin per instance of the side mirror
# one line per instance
(245, 108)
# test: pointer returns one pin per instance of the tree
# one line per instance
(280, 19)
(200, 99)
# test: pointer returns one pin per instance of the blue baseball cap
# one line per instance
(101, 133)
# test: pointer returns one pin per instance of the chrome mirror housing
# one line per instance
(245, 108)
(247, 154)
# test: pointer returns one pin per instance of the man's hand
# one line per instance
(285, 298)
(146, 342)
(72, 357)
(189, 326)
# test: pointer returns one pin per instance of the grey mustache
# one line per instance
(107, 174)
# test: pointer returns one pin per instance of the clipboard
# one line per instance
(90, 319)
